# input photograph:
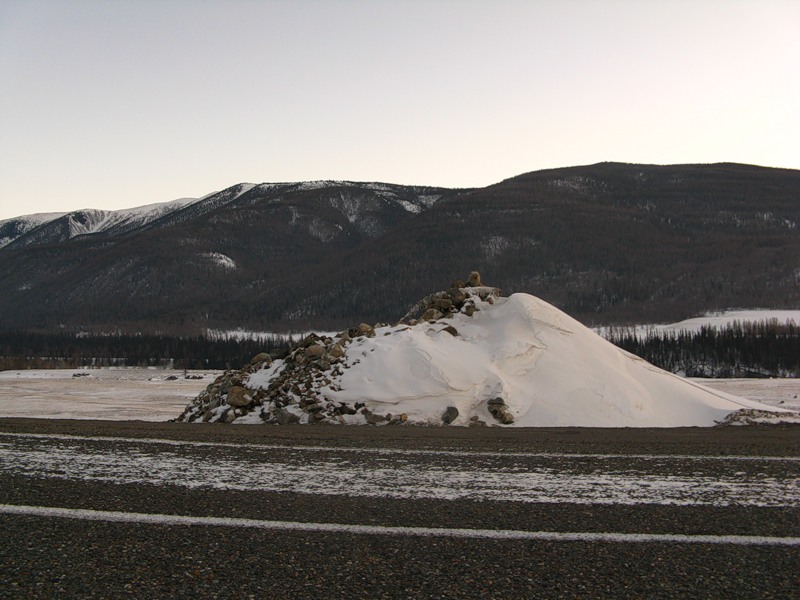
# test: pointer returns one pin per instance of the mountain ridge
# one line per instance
(608, 243)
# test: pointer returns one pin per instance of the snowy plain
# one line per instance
(108, 394)
(117, 394)
(715, 320)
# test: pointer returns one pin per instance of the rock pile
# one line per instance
(293, 389)
(460, 298)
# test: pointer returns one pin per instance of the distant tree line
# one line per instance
(27, 350)
(760, 349)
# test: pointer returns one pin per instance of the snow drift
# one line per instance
(550, 369)
(539, 366)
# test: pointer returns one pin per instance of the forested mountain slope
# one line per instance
(607, 243)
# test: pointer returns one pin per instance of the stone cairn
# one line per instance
(294, 395)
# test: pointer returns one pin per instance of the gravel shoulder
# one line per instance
(55, 557)
(758, 440)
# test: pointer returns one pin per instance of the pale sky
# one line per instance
(119, 103)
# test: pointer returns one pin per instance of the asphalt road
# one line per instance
(97, 509)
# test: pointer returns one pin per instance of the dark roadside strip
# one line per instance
(61, 557)
(430, 513)
(766, 440)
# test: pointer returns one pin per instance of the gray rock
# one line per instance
(284, 417)
(315, 351)
(507, 418)
(372, 418)
(261, 357)
(499, 410)
(365, 329)
(309, 340)
(443, 304)
(450, 415)
(238, 397)
(457, 297)
(431, 314)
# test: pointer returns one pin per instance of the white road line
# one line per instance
(402, 451)
(493, 534)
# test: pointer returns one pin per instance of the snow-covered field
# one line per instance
(150, 394)
(105, 394)
(717, 320)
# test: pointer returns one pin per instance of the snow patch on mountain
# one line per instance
(244, 188)
(11, 229)
(48, 227)
(85, 221)
(410, 206)
(219, 260)
(130, 218)
(351, 206)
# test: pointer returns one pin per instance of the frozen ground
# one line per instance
(149, 394)
(105, 394)
(536, 477)
(783, 393)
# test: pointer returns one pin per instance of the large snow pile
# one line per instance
(515, 361)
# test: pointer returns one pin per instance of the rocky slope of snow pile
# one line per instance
(465, 356)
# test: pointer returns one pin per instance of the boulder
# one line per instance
(315, 352)
(261, 357)
(362, 329)
(450, 415)
(346, 409)
(309, 340)
(372, 418)
(507, 418)
(457, 297)
(284, 417)
(499, 410)
(238, 397)
(443, 304)
(431, 315)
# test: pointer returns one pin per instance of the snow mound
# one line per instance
(515, 361)
(550, 370)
